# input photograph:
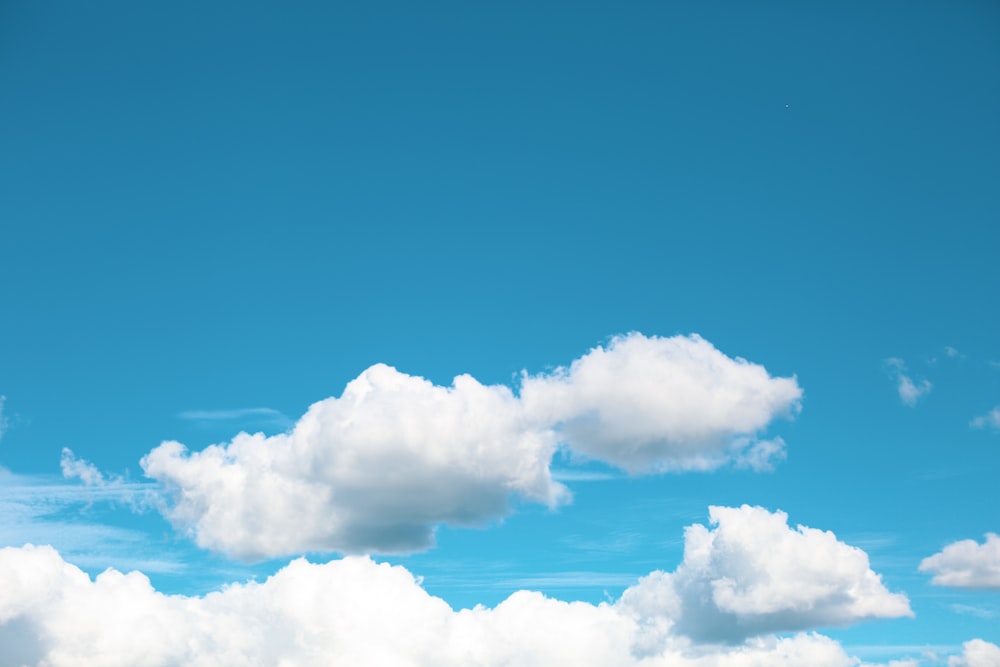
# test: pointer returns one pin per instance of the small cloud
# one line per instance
(990, 420)
(952, 353)
(74, 468)
(910, 390)
(966, 564)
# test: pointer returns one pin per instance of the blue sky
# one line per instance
(213, 217)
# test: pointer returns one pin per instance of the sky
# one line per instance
(500, 333)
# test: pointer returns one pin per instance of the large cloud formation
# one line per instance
(966, 564)
(377, 468)
(358, 612)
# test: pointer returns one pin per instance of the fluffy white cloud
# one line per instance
(377, 468)
(990, 420)
(966, 564)
(650, 404)
(373, 470)
(909, 389)
(752, 574)
(351, 611)
(977, 653)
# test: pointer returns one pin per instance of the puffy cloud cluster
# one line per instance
(650, 404)
(355, 611)
(753, 574)
(377, 468)
(966, 564)
(373, 470)
(977, 653)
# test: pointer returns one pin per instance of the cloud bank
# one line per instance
(966, 564)
(376, 469)
(359, 612)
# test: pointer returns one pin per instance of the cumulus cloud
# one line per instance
(752, 574)
(350, 611)
(376, 469)
(990, 420)
(373, 470)
(649, 404)
(910, 390)
(966, 564)
(977, 653)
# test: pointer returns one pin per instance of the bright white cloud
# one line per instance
(910, 390)
(966, 564)
(990, 420)
(977, 653)
(753, 574)
(377, 468)
(373, 470)
(352, 611)
(649, 404)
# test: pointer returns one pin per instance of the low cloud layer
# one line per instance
(355, 611)
(376, 469)
(966, 564)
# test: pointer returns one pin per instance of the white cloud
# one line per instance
(966, 564)
(753, 574)
(378, 468)
(910, 390)
(649, 404)
(75, 468)
(373, 470)
(990, 420)
(977, 653)
(352, 611)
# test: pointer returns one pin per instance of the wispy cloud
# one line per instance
(910, 390)
(3, 418)
(978, 612)
(255, 415)
(556, 580)
(952, 353)
(568, 475)
(45, 510)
